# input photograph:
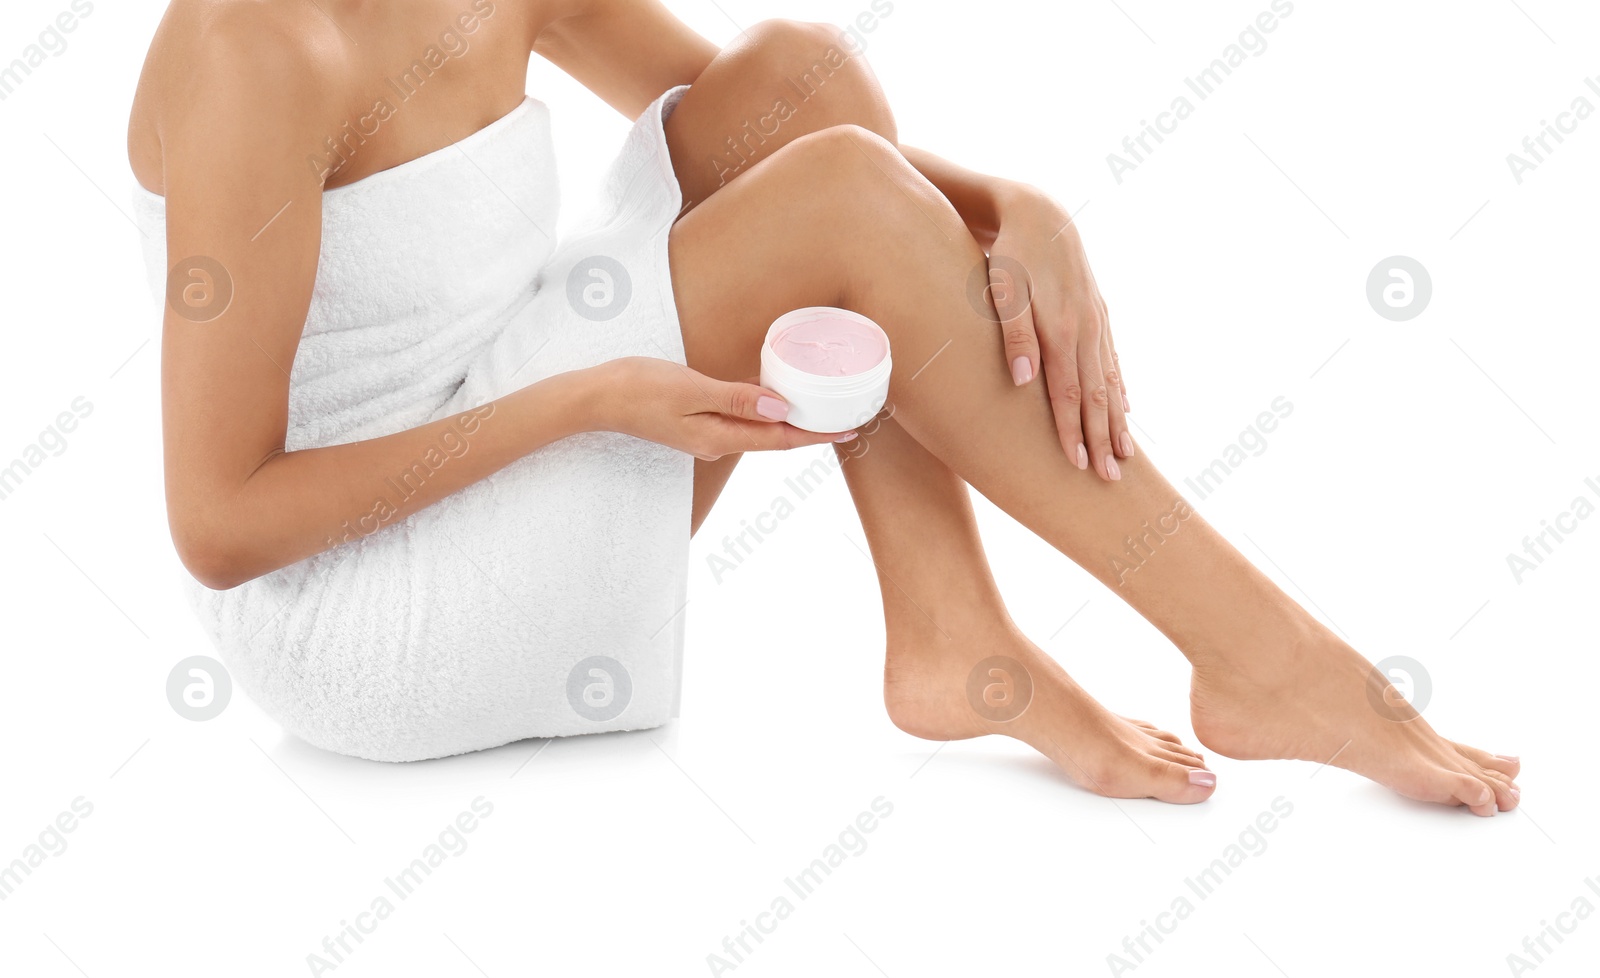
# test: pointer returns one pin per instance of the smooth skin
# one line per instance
(1021, 399)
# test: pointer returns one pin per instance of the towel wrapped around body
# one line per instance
(546, 600)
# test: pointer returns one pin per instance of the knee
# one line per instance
(820, 69)
(854, 162)
(859, 183)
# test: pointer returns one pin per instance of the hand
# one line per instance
(669, 404)
(1051, 312)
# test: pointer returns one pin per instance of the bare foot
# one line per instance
(1011, 687)
(1316, 699)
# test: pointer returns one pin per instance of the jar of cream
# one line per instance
(831, 365)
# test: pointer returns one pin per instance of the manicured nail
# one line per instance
(1125, 406)
(1127, 445)
(1509, 757)
(847, 436)
(1516, 793)
(1083, 458)
(771, 407)
(1021, 371)
(1112, 471)
(1204, 779)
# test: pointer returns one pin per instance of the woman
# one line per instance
(463, 518)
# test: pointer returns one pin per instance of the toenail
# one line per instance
(1204, 779)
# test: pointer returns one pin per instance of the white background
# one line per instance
(1234, 262)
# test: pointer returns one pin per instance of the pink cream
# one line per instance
(830, 347)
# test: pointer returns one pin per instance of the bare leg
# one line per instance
(943, 613)
(725, 126)
(838, 217)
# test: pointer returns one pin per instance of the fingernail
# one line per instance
(1204, 779)
(1127, 445)
(847, 436)
(1509, 757)
(1516, 793)
(1125, 405)
(1021, 371)
(1111, 469)
(1083, 458)
(771, 407)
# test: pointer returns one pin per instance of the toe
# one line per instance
(1476, 794)
(1178, 757)
(1176, 748)
(1506, 793)
(1154, 730)
(1178, 784)
(1506, 764)
(1166, 738)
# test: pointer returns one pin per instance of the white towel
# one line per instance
(546, 600)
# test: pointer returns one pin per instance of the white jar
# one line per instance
(844, 381)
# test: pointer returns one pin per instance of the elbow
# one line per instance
(209, 556)
(214, 569)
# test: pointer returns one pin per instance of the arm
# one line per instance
(1053, 320)
(625, 51)
(234, 125)
(1043, 294)
(629, 51)
(238, 504)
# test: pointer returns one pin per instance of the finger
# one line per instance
(1013, 306)
(1066, 400)
(1096, 405)
(1116, 361)
(1121, 438)
(748, 402)
(762, 436)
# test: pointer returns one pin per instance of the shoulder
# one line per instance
(284, 40)
(220, 64)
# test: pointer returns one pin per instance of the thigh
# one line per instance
(709, 480)
(777, 81)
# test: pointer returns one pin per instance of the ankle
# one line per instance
(1263, 642)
